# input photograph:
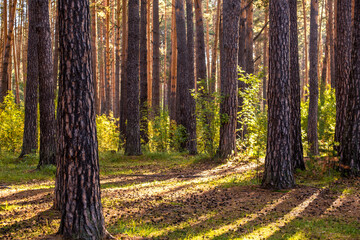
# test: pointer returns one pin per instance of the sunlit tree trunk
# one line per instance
(123, 97)
(278, 172)
(143, 73)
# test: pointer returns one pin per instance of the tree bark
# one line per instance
(173, 75)
(132, 145)
(342, 62)
(156, 60)
(350, 154)
(123, 97)
(278, 172)
(5, 81)
(77, 181)
(249, 38)
(200, 45)
(192, 143)
(266, 58)
(215, 49)
(306, 78)
(143, 73)
(30, 137)
(229, 87)
(46, 87)
(314, 86)
(295, 98)
(94, 55)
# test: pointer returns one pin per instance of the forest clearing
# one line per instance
(176, 196)
(179, 119)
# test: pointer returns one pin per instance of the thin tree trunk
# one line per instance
(173, 65)
(46, 87)
(16, 70)
(123, 97)
(295, 98)
(200, 45)
(30, 137)
(143, 73)
(266, 59)
(116, 103)
(306, 82)
(215, 49)
(107, 61)
(94, 55)
(249, 38)
(156, 60)
(5, 81)
(313, 88)
(192, 143)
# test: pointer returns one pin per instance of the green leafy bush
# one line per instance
(207, 119)
(159, 133)
(107, 132)
(253, 120)
(11, 125)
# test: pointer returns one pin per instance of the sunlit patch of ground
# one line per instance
(180, 197)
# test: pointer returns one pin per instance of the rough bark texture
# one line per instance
(156, 60)
(31, 96)
(266, 59)
(132, 145)
(143, 74)
(350, 154)
(342, 63)
(56, 50)
(5, 81)
(306, 78)
(77, 181)
(312, 133)
(278, 166)
(107, 61)
(182, 94)
(46, 86)
(123, 97)
(295, 120)
(331, 39)
(192, 144)
(215, 49)
(173, 70)
(94, 54)
(200, 44)
(229, 87)
(249, 38)
(116, 103)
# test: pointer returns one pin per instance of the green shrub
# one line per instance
(107, 132)
(11, 125)
(253, 120)
(207, 119)
(159, 133)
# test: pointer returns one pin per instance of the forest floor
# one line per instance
(175, 196)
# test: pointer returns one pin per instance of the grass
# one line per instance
(177, 196)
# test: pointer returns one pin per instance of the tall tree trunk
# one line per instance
(143, 73)
(192, 144)
(30, 137)
(342, 62)
(229, 54)
(133, 146)
(207, 45)
(108, 86)
(123, 97)
(295, 98)
(182, 93)
(215, 49)
(350, 154)
(165, 82)
(249, 38)
(313, 74)
(46, 87)
(16, 70)
(278, 165)
(200, 44)
(306, 81)
(156, 60)
(266, 58)
(77, 178)
(116, 103)
(94, 55)
(331, 37)
(5, 81)
(172, 107)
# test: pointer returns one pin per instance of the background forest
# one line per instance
(200, 113)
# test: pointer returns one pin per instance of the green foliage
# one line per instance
(207, 119)
(107, 132)
(253, 121)
(12, 125)
(159, 133)
(326, 122)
